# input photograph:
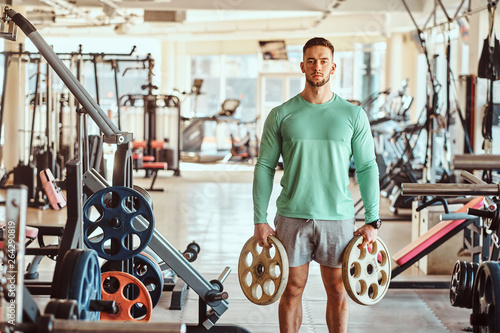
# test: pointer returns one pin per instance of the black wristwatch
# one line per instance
(376, 224)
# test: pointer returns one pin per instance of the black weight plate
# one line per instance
(457, 285)
(85, 284)
(454, 283)
(469, 286)
(486, 298)
(145, 194)
(68, 309)
(119, 209)
(60, 288)
(52, 307)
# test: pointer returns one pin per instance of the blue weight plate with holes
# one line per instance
(117, 216)
(85, 284)
(146, 271)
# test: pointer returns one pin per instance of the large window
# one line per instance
(241, 83)
(224, 77)
(207, 68)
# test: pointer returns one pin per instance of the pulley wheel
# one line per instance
(145, 270)
(485, 315)
(263, 272)
(117, 216)
(81, 281)
(366, 273)
(127, 292)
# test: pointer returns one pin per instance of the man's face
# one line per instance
(318, 65)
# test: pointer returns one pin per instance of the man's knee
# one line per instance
(297, 280)
(294, 289)
(332, 279)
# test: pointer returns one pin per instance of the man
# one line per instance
(316, 133)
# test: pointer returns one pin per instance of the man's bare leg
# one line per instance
(337, 304)
(290, 307)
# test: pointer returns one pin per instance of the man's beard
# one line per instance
(320, 83)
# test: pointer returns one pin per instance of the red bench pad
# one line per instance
(139, 144)
(155, 165)
(411, 250)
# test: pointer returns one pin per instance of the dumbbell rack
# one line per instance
(212, 301)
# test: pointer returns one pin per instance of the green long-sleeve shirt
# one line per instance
(316, 142)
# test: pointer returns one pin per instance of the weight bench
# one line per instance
(154, 167)
(427, 243)
(147, 162)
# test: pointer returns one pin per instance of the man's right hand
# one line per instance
(261, 232)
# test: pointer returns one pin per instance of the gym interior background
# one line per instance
(193, 82)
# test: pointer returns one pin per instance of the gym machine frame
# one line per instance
(210, 293)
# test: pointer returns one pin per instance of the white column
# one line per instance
(394, 61)
(14, 113)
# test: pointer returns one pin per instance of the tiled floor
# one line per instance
(212, 205)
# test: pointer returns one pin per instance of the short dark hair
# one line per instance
(317, 41)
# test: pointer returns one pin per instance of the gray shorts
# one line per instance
(305, 240)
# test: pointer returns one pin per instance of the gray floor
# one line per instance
(211, 204)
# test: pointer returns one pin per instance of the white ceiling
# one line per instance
(234, 18)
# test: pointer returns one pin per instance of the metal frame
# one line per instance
(209, 294)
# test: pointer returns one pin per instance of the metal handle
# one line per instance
(471, 178)
(481, 213)
(456, 216)
(225, 273)
(490, 204)
(408, 189)
(476, 162)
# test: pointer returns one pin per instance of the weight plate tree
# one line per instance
(263, 272)
(366, 273)
(111, 223)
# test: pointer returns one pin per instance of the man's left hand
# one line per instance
(369, 234)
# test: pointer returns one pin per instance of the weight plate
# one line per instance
(145, 194)
(366, 274)
(469, 286)
(457, 284)
(61, 283)
(114, 288)
(80, 281)
(117, 216)
(156, 269)
(62, 309)
(145, 270)
(485, 315)
(86, 283)
(263, 272)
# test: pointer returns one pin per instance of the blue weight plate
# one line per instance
(117, 222)
(85, 284)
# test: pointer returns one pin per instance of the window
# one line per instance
(207, 103)
(241, 83)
